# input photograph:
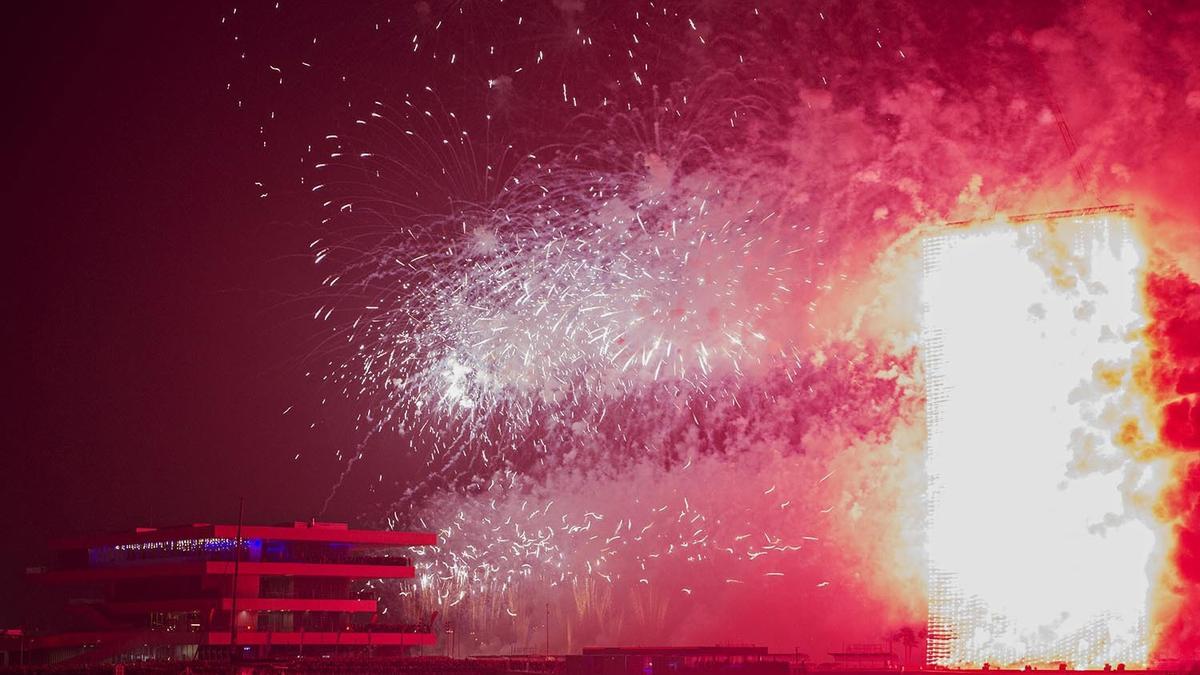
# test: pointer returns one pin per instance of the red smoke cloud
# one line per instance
(1174, 304)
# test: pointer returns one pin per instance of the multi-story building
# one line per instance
(193, 592)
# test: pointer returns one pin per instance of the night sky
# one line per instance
(150, 308)
(161, 308)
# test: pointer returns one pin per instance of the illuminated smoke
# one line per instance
(736, 524)
(1172, 377)
(1032, 332)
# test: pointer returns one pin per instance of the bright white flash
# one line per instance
(1034, 558)
(456, 384)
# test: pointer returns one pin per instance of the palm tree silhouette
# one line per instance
(909, 637)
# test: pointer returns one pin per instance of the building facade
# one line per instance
(202, 591)
(741, 659)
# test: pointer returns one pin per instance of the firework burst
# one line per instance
(599, 274)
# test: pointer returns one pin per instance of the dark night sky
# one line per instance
(158, 310)
(150, 296)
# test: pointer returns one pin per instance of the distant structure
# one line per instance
(742, 659)
(865, 657)
(209, 591)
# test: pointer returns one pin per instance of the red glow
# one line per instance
(1174, 304)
